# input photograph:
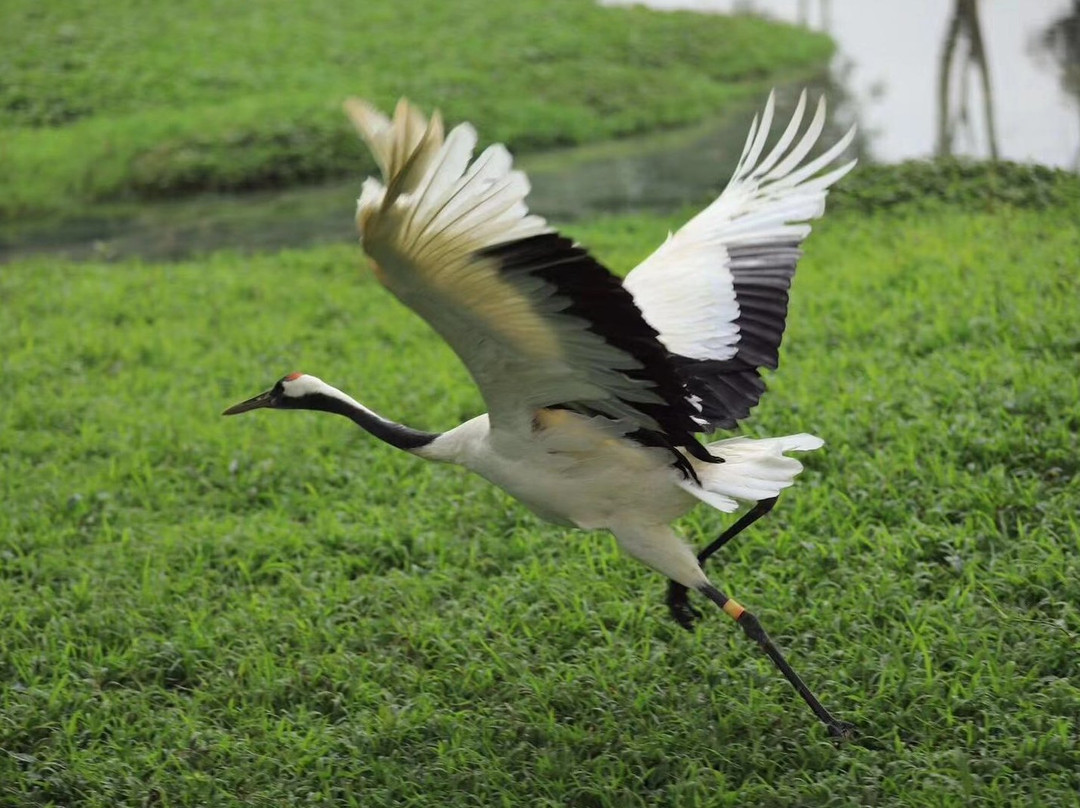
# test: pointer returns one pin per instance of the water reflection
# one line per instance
(658, 172)
(824, 14)
(1061, 40)
(963, 53)
(966, 77)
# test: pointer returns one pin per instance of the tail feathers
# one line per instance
(753, 469)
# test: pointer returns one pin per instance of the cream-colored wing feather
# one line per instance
(537, 322)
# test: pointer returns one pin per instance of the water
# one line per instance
(980, 78)
(659, 172)
(921, 86)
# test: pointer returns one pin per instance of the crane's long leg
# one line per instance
(753, 629)
(678, 599)
(759, 510)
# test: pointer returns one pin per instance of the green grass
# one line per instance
(930, 185)
(133, 100)
(278, 610)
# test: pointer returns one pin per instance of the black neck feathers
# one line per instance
(397, 435)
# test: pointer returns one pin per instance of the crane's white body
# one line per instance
(582, 472)
(594, 485)
(575, 472)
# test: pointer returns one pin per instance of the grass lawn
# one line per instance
(279, 610)
(126, 99)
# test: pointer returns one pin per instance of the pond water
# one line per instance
(983, 78)
(920, 77)
(658, 172)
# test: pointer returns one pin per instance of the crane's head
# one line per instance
(293, 392)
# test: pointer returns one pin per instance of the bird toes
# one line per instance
(842, 730)
(678, 603)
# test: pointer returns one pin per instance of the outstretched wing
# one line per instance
(717, 291)
(535, 319)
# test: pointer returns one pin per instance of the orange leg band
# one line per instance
(733, 609)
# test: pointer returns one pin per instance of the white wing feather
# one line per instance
(686, 288)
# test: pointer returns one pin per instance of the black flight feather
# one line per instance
(730, 388)
(592, 294)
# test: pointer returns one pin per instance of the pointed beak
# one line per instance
(259, 401)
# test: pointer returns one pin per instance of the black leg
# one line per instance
(759, 510)
(753, 629)
(678, 599)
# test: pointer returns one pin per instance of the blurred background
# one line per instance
(997, 79)
(924, 78)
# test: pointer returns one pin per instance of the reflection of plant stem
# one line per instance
(978, 54)
(944, 146)
(966, 20)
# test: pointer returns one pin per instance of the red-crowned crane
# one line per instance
(595, 387)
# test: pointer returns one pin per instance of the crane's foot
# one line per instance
(678, 603)
(841, 730)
